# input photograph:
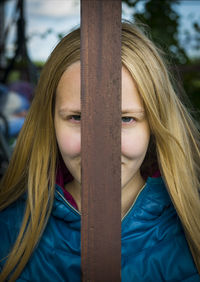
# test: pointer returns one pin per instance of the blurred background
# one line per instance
(30, 29)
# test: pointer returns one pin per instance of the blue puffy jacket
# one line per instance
(153, 244)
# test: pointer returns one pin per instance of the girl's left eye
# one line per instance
(128, 120)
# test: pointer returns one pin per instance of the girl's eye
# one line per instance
(128, 120)
(125, 120)
(75, 118)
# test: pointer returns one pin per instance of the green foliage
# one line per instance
(39, 64)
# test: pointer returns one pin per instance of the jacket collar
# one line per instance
(62, 208)
(152, 201)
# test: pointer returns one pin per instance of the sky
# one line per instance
(47, 18)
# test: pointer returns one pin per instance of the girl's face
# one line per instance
(135, 133)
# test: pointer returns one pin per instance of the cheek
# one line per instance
(134, 146)
(69, 143)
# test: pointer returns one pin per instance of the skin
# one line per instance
(135, 134)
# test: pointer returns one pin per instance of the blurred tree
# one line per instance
(163, 21)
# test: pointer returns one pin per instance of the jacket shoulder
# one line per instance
(154, 240)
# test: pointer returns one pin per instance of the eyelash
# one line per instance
(74, 118)
(132, 118)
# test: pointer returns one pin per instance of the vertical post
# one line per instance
(101, 139)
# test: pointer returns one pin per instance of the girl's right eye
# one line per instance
(75, 118)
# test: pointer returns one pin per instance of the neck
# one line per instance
(74, 188)
(130, 192)
(128, 196)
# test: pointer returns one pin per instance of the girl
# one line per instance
(40, 221)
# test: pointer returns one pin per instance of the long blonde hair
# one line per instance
(33, 164)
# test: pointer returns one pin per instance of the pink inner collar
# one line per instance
(63, 176)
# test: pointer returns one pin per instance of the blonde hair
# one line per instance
(34, 160)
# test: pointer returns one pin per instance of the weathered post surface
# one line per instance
(101, 139)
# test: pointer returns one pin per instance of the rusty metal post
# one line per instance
(101, 139)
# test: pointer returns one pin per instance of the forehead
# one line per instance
(69, 87)
(131, 100)
(68, 90)
(70, 79)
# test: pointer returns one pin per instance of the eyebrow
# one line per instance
(64, 110)
(135, 111)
